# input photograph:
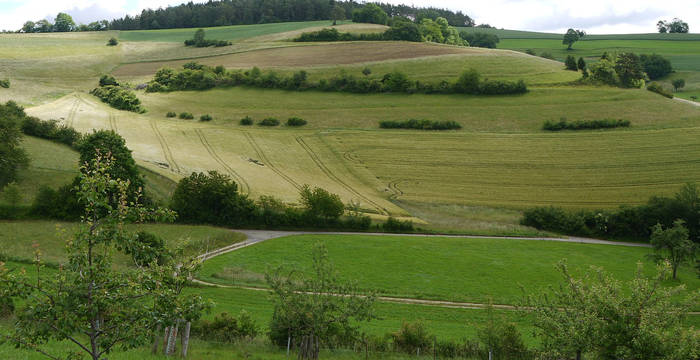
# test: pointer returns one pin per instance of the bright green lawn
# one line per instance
(473, 270)
(17, 238)
(236, 32)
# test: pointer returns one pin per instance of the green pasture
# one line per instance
(522, 34)
(18, 237)
(454, 269)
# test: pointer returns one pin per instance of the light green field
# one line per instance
(453, 269)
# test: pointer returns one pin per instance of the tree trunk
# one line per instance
(578, 354)
(156, 337)
(675, 268)
(166, 335)
(185, 341)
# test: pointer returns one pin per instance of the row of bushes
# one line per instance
(50, 130)
(420, 124)
(188, 116)
(199, 40)
(292, 121)
(335, 35)
(200, 77)
(659, 89)
(627, 222)
(563, 124)
(119, 98)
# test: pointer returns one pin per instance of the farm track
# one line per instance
(267, 161)
(70, 119)
(166, 149)
(332, 176)
(113, 122)
(245, 188)
(394, 187)
(257, 236)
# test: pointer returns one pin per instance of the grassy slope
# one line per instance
(17, 238)
(473, 270)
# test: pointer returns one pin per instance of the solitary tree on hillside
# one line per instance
(571, 37)
(678, 84)
(672, 245)
(338, 13)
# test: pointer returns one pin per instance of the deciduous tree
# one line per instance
(672, 245)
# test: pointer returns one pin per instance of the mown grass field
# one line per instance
(454, 269)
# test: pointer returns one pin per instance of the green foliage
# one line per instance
(119, 98)
(106, 80)
(480, 39)
(317, 308)
(146, 249)
(570, 63)
(655, 66)
(627, 222)
(629, 70)
(404, 31)
(337, 13)
(199, 41)
(571, 37)
(296, 121)
(333, 34)
(171, 114)
(13, 156)
(246, 121)
(206, 117)
(269, 122)
(112, 42)
(547, 55)
(186, 116)
(673, 245)
(319, 203)
(63, 23)
(678, 84)
(604, 71)
(420, 124)
(563, 124)
(227, 329)
(370, 13)
(468, 82)
(581, 64)
(502, 339)
(12, 194)
(398, 226)
(412, 337)
(50, 130)
(88, 303)
(675, 26)
(211, 198)
(659, 89)
(598, 315)
(5, 83)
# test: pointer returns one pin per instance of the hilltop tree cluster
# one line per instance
(62, 23)
(676, 25)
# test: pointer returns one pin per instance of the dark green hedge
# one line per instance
(563, 124)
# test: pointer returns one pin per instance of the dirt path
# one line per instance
(256, 236)
(687, 101)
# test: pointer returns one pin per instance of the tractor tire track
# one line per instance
(70, 119)
(333, 177)
(164, 146)
(245, 188)
(267, 161)
(394, 187)
(113, 121)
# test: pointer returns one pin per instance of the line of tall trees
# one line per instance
(241, 12)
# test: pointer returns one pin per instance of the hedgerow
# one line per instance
(269, 122)
(563, 124)
(50, 130)
(420, 124)
(205, 117)
(119, 98)
(186, 116)
(201, 77)
(335, 35)
(659, 89)
(296, 121)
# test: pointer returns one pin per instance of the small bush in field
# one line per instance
(205, 117)
(171, 114)
(296, 121)
(186, 115)
(269, 122)
(247, 121)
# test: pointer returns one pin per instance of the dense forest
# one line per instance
(240, 12)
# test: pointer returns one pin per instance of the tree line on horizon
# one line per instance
(241, 12)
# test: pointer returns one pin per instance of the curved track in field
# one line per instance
(245, 188)
(261, 155)
(164, 146)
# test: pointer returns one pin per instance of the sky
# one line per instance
(593, 16)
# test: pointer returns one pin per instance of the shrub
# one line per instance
(321, 35)
(205, 117)
(146, 249)
(269, 122)
(106, 80)
(171, 114)
(420, 125)
(480, 39)
(119, 98)
(412, 337)
(246, 121)
(656, 66)
(678, 84)
(570, 63)
(296, 121)
(395, 225)
(50, 130)
(546, 55)
(112, 42)
(563, 124)
(225, 328)
(186, 116)
(199, 41)
(604, 71)
(468, 82)
(659, 89)
(500, 87)
(531, 52)
(5, 83)
(7, 306)
(320, 204)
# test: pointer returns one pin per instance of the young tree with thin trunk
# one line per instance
(337, 13)
(672, 245)
(87, 302)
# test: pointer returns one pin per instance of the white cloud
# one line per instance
(594, 16)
